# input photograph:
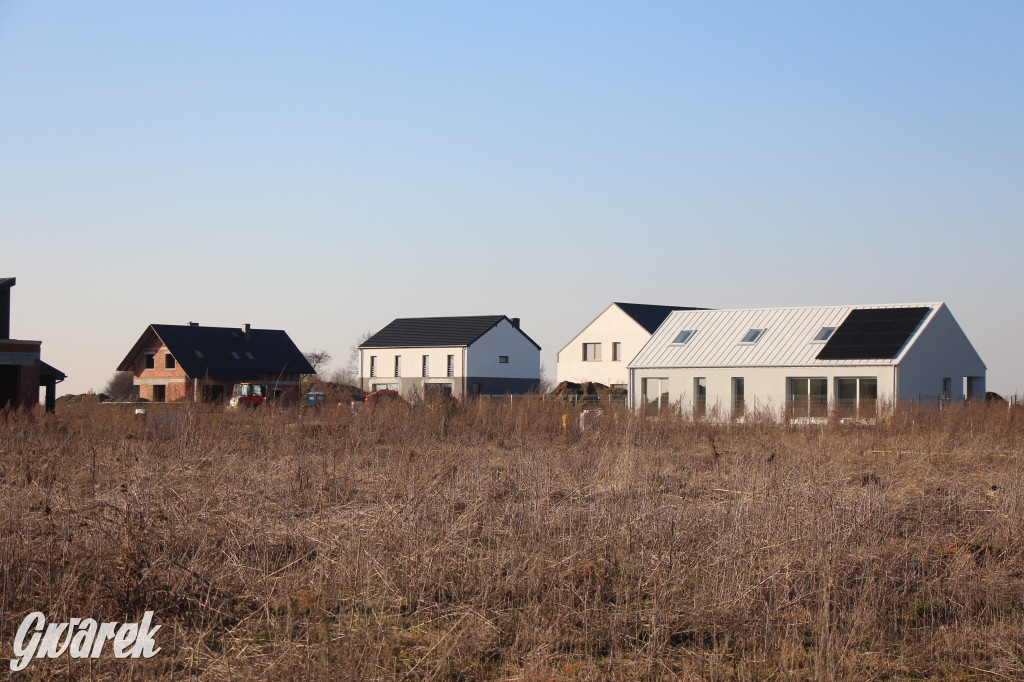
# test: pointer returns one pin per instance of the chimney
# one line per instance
(193, 324)
(5, 306)
(515, 322)
(246, 329)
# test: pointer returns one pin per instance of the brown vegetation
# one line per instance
(490, 542)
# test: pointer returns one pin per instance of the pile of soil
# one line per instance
(570, 388)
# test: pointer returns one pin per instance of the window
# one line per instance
(752, 336)
(824, 334)
(503, 359)
(807, 397)
(617, 351)
(235, 355)
(655, 393)
(426, 365)
(398, 365)
(384, 387)
(856, 395)
(451, 365)
(738, 402)
(373, 365)
(591, 352)
(700, 396)
(150, 361)
(169, 361)
(199, 354)
(683, 336)
(250, 355)
(159, 394)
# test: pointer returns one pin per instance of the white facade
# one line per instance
(602, 351)
(714, 371)
(501, 360)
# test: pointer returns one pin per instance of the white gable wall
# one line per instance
(503, 339)
(940, 349)
(411, 367)
(613, 325)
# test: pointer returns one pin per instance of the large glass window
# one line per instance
(655, 392)
(807, 397)
(738, 401)
(700, 395)
(856, 395)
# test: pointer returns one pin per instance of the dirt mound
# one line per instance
(570, 388)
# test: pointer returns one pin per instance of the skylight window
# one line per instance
(824, 333)
(752, 336)
(235, 355)
(199, 353)
(684, 336)
(250, 355)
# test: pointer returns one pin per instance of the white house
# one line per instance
(806, 359)
(602, 350)
(474, 355)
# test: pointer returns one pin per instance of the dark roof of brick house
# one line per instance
(429, 332)
(225, 352)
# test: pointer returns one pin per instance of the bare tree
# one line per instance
(319, 359)
(349, 374)
(122, 386)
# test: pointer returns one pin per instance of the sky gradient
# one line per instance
(326, 167)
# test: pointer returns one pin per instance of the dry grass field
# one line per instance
(489, 542)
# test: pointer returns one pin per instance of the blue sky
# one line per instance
(327, 167)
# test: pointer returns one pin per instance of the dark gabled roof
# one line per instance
(224, 352)
(873, 333)
(7, 282)
(430, 332)
(650, 317)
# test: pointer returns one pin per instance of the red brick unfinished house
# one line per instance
(189, 362)
(22, 373)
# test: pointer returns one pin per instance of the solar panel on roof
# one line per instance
(873, 334)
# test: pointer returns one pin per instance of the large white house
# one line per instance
(808, 360)
(474, 355)
(602, 350)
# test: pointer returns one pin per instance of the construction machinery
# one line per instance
(248, 394)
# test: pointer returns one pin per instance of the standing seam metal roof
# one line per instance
(786, 342)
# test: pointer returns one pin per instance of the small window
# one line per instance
(503, 359)
(150, 361)
(250, 355)
(451, 365)
(235, 355)
(373, 365)
(700, 395)
(426, 365)
(824, 333)
(591, 352)
(683, 336)
(398, 365)
(199, 354)
(169, 361)
(617, 351)
(752, 336)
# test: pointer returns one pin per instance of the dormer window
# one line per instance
(752, 336)
(824, 333)
(684, 336)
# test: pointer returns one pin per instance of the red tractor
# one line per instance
(248, 395)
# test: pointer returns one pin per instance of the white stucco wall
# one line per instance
(412, 364)
(503, 339)
(940, 350)
(764, 387)
(610, 326)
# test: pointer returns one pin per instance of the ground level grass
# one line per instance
(498, 541)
